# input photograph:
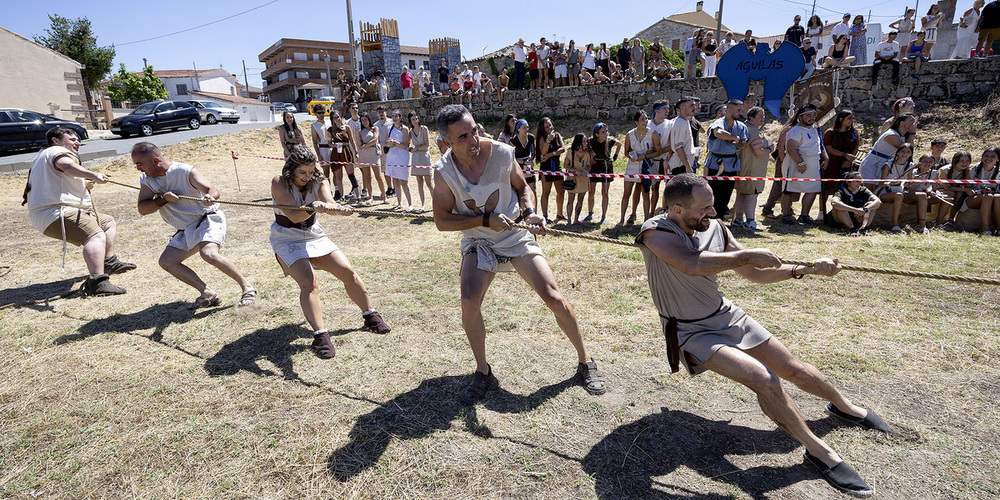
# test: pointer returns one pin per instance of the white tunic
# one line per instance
(51, 190)
(292, 243)
(809, 148)
(183, 213)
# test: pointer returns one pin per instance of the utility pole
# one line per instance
(813, 13)
(326, 57)
(350, 35)
(246, 82)
(718, 24)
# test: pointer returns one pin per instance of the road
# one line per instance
(100, 149)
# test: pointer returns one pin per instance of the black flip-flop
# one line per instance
(843, 477)
(871, 421)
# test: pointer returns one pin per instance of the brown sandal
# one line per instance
(248, 297)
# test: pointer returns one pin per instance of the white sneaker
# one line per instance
(752, 225)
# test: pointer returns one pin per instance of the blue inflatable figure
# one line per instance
(778, 70)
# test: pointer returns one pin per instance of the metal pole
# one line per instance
(718, 24)
(329, 87)
(350, 35)
(245, 81)
(813, 13)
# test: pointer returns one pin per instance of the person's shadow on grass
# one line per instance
(626, 463)
(158, 317)
(429, 407)
(35, 295)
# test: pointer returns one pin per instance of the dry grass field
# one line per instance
(134, 396)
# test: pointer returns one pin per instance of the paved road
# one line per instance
(99, 149)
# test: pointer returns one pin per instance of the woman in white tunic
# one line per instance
(967, 35)
(886, 146)
(397, 160)
(420, 156)
(639, 147)
(301, 245)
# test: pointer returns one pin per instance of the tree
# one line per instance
(127, 86)
(75, 40)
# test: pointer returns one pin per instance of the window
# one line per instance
(5, 118)
(301, 74)
(340, 58)
(301, 56)
(427, 65)
(25, 116)
(316, 57)
(182, 89)
(322, 76)
(166, 106)
(413, 64)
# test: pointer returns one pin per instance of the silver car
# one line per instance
(212, 112)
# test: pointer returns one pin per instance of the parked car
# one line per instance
(326, 100)
(157, 115)
(291, 108)
(23, 129)
(212, 112)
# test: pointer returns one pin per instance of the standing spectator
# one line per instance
(559, 69)
(681, 139)
(837, 57)
(710, 58)
(443, 73)
(904, 27)
(343, 148)
(381, 87)
(524, 147)
(726, 44)
(589, 58)
(578, 161)
(502, 82)
(809, 54)
(814, 32)
(548, 151)
(533, 66)
(984, 196)
(509, 123)
(918, 52)
(624, 55)
(930, 24)
(420, 156)
(989, 28)
(841, 144)
(753, 163)
(638, 53)
(640, 149)
(60, 207)
(777, 187)
(804, 158)
(887, 52)
(655, 52)
(692, 53)
(369, 151)
(661, 131)
(842, 28)
(397, 160)
(573, 64)
(795, 32)
(320, 141)
(603, 58)
(289, 133)
(383, 125)
(406, 82)
(543, 63)
(601, 145)
(520, 55)
(421, 73)
(859, 41)
(967, 31)
(726, 137)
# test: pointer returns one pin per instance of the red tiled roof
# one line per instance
(226, 97)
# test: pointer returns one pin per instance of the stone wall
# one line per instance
(949, 80)
(386, 60)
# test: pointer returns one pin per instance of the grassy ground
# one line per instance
(134, 396)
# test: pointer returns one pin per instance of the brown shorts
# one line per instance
(80, 225)
(989, 35)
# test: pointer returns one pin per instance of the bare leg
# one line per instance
(474, 284)
(560, 194)
(172, 261)
(94, 252)
(807, 202)
(337, 264)
(302, 272)
(605, 191)
(546, 189)
(535, 270)
(210, 253)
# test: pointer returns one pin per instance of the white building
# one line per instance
(181, 81)
(250, 110)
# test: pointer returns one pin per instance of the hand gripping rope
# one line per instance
(603, 239)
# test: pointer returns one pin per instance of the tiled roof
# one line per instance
(226, 97)
(182, 73)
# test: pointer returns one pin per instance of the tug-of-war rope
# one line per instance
(602, 239)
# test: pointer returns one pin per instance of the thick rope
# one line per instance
(604, 239)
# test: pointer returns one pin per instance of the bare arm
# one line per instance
(445, 217)
(324, 203)
(67, 165)
(672, 249)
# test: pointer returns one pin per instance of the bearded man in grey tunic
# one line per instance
(684, 249)
(480, 190)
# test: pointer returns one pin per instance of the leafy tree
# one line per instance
(128, 86)
(74, 39)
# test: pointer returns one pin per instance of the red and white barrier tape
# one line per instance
(657, 177)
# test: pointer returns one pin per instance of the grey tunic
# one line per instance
(706, 321)
(492, 193)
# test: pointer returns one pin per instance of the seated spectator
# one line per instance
(937, 152)
(837, 56)
(809, 54)
(887, 53)
(918, 51)
(616, 75)
(586, 78)
(486, 86)
(600, 77)
(902, 106)
(985, 196)
(502, 82)
(629, 76)
(651, 77)
(956, 193)
(925, 171)
(427, 88)
(853, 206)
(891, 190)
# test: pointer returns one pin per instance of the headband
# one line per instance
(519, 123)
(655, 108)
(599, 126)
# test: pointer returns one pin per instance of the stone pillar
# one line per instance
(392, 65)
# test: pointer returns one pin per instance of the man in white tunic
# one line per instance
(805, 158)
(480, 190)
(200, 225)
(60, 207)
(684, 251)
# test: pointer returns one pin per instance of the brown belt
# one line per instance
(670, 335)
(283, 221)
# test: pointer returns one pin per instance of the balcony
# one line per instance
(303, 65)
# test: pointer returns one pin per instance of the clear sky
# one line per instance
(240, 30)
